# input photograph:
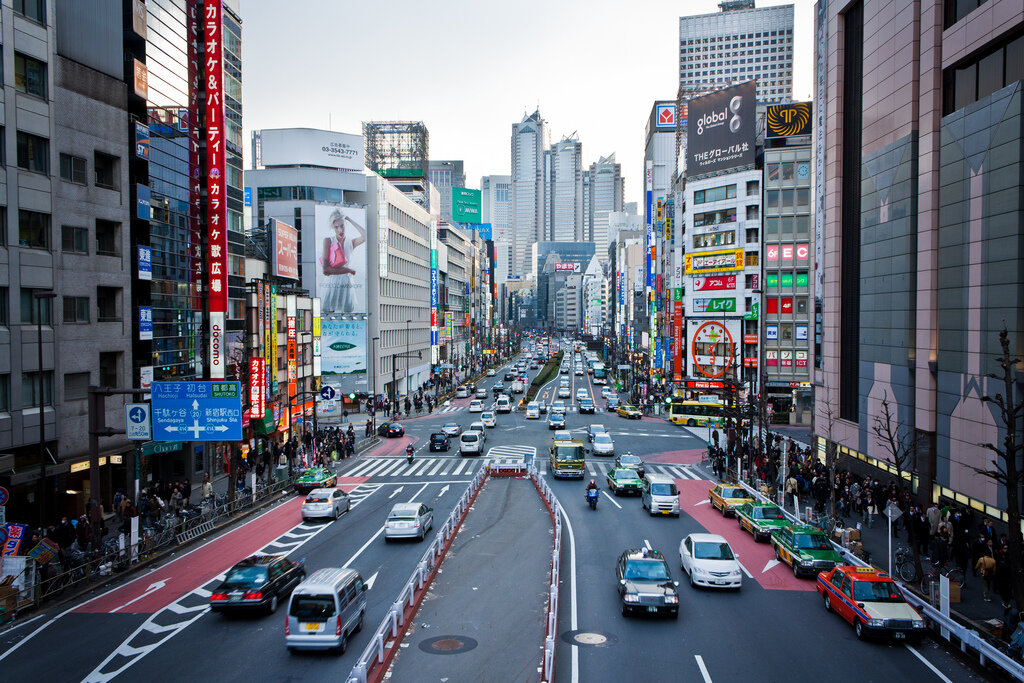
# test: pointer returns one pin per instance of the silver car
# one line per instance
(324, 503)
(408, 520)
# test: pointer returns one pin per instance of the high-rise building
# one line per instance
(737, 44)
(563, 186)
(605, 197)
(496, 200)
(444, 175)
(659, 147)
(921, 256)
(529, 140)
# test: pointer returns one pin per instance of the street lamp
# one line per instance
(373, 370)
(408, 387)
(39, 295)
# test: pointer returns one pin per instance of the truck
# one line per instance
(567, 459)
(518, 387)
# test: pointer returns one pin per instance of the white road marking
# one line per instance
(574, 610)
(614, 502)
(379, 532)
(153, 587)
(369, 582)
(647, 544)
(749, 575)
(444, 489)
(396, 492)
(771, 565)
(941, 676)
(703, 669)
(31, 635)
(703, 502)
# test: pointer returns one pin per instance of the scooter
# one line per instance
(592, 495)
(409, 453)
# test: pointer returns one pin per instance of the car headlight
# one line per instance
(672, 599)
(806, 563)
(918, 623)
(631, 598)
(876, 622)
(735, 572)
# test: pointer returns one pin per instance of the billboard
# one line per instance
(707, 284)
(665, 116)
(285, 256)
(571, 267)
(311, 147)
(466, 205)
(713, 348)
(343, 346)
(341, 259)
(713, 261)
(723, 130)
(216, 184)
(784, 120)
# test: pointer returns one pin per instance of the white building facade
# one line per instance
(529, 140)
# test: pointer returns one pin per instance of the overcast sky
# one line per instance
(469, 70)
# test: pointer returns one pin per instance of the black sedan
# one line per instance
(390, 430)
(439, 442)
(259, 582)
(509, 377)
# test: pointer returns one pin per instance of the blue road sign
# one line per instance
(197, 411)
(327, 392)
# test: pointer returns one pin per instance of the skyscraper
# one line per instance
(444, 175)
(563, 186)
(605, 196)
(529, 140)
(496, 198)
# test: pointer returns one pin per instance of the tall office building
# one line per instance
(444, 175)
(529, 140)
(922, 244)
(604, 198)
(563, 186)
(738, 44)
(496, 200)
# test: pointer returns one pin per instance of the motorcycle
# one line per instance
(592, 495)
(409, 454)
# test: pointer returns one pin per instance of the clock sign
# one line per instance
(712, 349)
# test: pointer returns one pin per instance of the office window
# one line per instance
(108, 242)
(76, 386)
(3, 131)
(753, 187)
(752, 213)
(33, 152)
(76, 309)
(72, 169)
(4, 311)
(33, 229)
(108, 304)
(3, 222)
(31, 9)
(30, 388)
(74, 240)
(979, 77)
(5, 393)
(106, 170)
(30, 75)
(30, 305)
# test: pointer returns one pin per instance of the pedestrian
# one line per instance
(207, 487)
(175, 501)
(870, 510)
(986, 567)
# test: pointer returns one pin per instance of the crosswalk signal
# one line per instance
(351, 395)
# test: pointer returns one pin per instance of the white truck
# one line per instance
(518, 387)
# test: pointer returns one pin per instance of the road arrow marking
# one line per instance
(703, 502)
(153, 587)
(396, 492)
(444, 490)
(771, 564)
(369, 581)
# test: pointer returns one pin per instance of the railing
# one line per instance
(377, 655)
(555, 510)
(947, 627)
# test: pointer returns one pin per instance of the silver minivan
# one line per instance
(659, 495)
(325, 609)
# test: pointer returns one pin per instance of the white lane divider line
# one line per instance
(647, 544)
(745, 571)
(942, 677)
(30, 636)
(614, 502)
(703, 669)
(379, 531)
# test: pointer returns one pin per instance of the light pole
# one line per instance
(373, 371)
(408, 388)
(39, 296)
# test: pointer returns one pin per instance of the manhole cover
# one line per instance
(448, 645)
(583, 638)
(590, 639)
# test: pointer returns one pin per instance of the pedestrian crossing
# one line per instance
(490, 408)
(458, 467)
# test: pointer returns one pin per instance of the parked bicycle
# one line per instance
(935, 572)
(906, 568)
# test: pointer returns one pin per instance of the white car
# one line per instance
(471, 443)
(581, 393)
(579, 372)
(564, 392)
(408, 520)
(709, 561)
(490, 373)
(462, 392)
(481, 393)
(479, 428)
(532, 410)
(324, 503)
(558, 407)
(594, 430)
(489, 419)
(452, 429)
(603, 444)
(606, 392)
(476, 406)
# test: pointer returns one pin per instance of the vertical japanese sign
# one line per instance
(196, 236)
(677, 335)
(272, 344)
(216, 200)
(257, 388)
(293, 347)
(434, 353)
(317, 357)
(649, 232)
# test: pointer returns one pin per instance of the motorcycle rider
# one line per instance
(409, 453)
(590, 486)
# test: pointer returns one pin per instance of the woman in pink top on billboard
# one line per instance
(337, 292)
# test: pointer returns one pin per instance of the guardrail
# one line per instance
(942, 625)
(377, 656)
(551, 629)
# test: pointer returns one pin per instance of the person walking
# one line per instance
(986, 567)
(207, 489)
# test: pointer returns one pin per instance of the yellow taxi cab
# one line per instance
(628, 411)
(727, 497)
(871, 601)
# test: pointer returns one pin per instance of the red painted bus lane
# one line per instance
(758, 558)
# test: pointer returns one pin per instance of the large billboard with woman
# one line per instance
(340, 259)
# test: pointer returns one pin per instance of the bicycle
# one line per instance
(954, 574)
(906, 569)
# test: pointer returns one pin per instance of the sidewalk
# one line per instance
(485, 612)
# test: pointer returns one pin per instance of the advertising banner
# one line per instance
(722, 305)
(145, 323)
(343, 346)
(665, 116)
(571, 267)
(711, 261)
(485, 230)
(216, 182)
(143, 202)
(657, 353)
(677, 339)
(713, 351)
(317, 354)
(257, 389)
(785, 120)
(285, 256)
(723, 130)
(801, 359)
(145, 263)
(310, 146)
(141, 140)
(706, 284)
(466, 205)
(341, 259)
(271, 345)
(293, 349)
(15, 534)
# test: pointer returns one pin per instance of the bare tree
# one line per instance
(896, 439)
(830, 416)
(238, 367)
(1005, 469)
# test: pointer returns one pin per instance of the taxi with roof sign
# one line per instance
(870, 600)
(806, 549)
(760, 519)
(727, 497)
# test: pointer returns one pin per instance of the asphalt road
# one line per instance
(156, 627)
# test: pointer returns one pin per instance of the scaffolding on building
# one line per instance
(397, 148)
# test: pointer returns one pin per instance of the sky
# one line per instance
(469, 70)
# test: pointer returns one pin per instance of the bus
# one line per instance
(696, 413)
(600, 374)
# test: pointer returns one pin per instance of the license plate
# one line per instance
(721, 583)
(652, 608)
(666, 512)
(312, 627)
(234, 598)
(899, 636)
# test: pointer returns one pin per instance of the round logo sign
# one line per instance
(712, 349)
(4, 496)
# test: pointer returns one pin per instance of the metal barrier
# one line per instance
(507, 467)
(385, 640)
(551, 629)
(941, 625)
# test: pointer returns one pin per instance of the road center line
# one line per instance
(379, 532)
(942, 676)
(703, 669)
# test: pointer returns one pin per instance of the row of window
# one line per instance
(996, 68)
(788, 225)
(76, 384)
(785, 305)
(788, 170)
(76, 309)
(742, 38)
(74, 169)
(798, 199)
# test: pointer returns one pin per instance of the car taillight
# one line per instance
(337, 629)
(219, 596)
(287, 627)
(253, 595)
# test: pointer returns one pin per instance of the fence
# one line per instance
(384, 642)
(946, 627)
(551, 629)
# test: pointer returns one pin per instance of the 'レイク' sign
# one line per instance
(216, 181)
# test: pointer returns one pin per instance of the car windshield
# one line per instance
(312, 607)
(876, 591)
(811, 541)
(438, 437)
(624, 474)
(568, 453)
(768, 513)
(712, 551)
(244, 576)
(646, 570)
(486, 416)
(451, 425)
(601, 437)
(664, 490)
(734, 493)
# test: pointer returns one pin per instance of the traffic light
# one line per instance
(668, 399)
(351, 395)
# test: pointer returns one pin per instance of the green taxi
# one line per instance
(623, 480)
(315, 478)
(761, 519)
(806, 549)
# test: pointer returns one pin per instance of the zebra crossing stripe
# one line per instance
(436, 467)
(419, 468)
(462, 463)
(360, 468)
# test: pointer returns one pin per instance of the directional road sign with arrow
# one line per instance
(197, 411)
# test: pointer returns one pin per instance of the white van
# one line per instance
(471, 443)
(532, 410)
(325, 609)
(659, 495)
(503, 404)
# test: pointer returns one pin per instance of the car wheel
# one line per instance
(693, 583)
(343, 644)
(796, 569)
(625, 610)
(778, 555)
(336, 514)
(359, 624)
(828, 604)
(273, 604)
(858, 628)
